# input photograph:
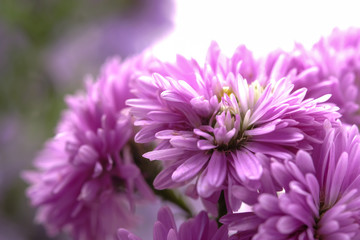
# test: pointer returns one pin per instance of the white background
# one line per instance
(261, 25)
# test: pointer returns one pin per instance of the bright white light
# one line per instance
(261, 25)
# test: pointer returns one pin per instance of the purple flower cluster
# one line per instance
(266, 144)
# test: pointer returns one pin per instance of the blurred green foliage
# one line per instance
(25, 85)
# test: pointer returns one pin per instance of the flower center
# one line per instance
(226, 90)
(232, 119)
(257, 89)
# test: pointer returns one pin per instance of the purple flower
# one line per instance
(86, 182)
(331, 67)
(343, 39)
(214, 126)
(321, 199)
(338, 57)
(299, 67)
(200, 227)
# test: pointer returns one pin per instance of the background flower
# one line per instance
(330, 67)
(86, 178)
(32, 86)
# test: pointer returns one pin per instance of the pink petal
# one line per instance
(217, 169)
(147, 133)
(288, 225)
(163, 179)
(184, 142)
(166, 217)
(286, 135)
(164, 154)
(205, 145)
(190, 167)
(246, 165)
(165, 117)
(305, 162)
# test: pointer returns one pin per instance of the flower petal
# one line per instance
(217, 169)
(190, 167)
(246, 165)
(164, 154)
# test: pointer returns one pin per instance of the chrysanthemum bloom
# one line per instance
(332, 66)
(86, 182)
(321, 199)
(338, 56)
(200, 227)
(212, 126)
(299, 67)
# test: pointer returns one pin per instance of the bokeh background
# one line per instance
(48, 46)
(46, 49)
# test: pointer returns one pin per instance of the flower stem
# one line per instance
(150, 169)
(222, 210)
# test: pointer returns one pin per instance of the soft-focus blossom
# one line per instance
(332, 66)
(321, 199)
(338, 56)
(200, 227)
(87, 182)
(215, 126)
(299, 67)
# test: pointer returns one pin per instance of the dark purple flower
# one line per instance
(200, 227)
(86, 182)
(321, 199)
(214, 125)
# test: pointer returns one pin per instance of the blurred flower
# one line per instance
(321, 194)
(298, 66)
(200, 227)
(331, 67)
(338, 56)
(84, 48)
(213, 126)
(86, 182)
